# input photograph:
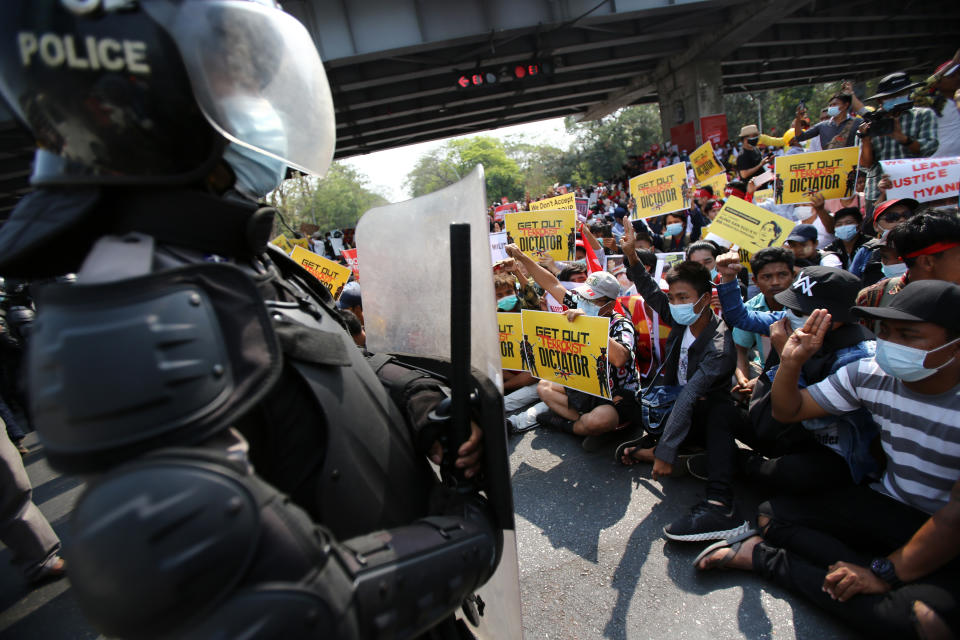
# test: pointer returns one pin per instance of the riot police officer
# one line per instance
(187, 349)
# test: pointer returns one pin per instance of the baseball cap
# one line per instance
(886, 204)
(350, 296)
(802, 233)
(749, 131)
(933, 301)
(599, 284)
(827, 288)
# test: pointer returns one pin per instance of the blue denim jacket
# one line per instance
(855, 430)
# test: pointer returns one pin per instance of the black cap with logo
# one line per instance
(823, 288)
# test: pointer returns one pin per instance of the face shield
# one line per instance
(256, 76)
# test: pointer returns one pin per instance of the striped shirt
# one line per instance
(920, 433)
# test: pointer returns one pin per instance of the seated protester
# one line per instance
(882, 557)
(772, 272)
(519, 387)
(925, 247)
(839, 448)
(886, 215)
(351, 300)
(643, 235)
(705, 252)
(674, 236)
(848, 236)
(354, 327)
(699, 358)
(573, 411)
(572, 272)
(803, 243)
(819, 217)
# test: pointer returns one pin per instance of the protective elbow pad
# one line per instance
(180, 542)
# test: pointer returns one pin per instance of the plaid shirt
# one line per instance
(918, 123)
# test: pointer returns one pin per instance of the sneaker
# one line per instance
(697, 466)
(553, 421)
(707, 521)
(54, 569)
(525, 426)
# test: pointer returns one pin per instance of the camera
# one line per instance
(881, 120)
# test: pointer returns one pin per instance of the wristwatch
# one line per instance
(883, 569)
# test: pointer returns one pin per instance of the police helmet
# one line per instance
(153, 91)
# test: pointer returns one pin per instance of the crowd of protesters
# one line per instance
(823, 374)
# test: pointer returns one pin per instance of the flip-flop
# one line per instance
(622, 449)
(733, 543)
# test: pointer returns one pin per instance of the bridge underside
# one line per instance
(602, 60)
(393, 64)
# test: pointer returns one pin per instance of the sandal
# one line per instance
(733, 543)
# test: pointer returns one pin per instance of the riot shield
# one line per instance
(404, 251)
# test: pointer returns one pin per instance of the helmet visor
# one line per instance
(256, 76)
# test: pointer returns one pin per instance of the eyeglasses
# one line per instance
(893, 216)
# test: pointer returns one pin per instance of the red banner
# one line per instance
(502, 209)
(714, 129)
(684, 136)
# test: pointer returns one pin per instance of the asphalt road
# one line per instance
(593, 561)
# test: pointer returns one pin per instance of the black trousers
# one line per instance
(853, 524)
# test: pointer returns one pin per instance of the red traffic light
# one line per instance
(519, 71)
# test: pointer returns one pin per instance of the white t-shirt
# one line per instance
(683, 365)
(948, 131)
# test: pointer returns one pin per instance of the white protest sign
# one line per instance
(923, 179)
(553, 305)
(498, 241)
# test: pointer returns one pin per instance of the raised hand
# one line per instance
(728, 265)
(805, 342)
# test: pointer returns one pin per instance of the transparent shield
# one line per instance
(257, 77)
(406, 299)
(404, 251)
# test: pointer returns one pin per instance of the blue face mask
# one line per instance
(905, 362)
(893, 270)
(845, 231)
(256, 122)
(833, 111)
(796, 322)
(507, 303)
(892, 102)
(673, 229)
(590, 308)
(714, 273)
(684, 313)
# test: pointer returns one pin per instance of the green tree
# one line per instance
(335, 201)
(456, 158)
(602, 146)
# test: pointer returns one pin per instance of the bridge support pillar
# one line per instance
(687, 94)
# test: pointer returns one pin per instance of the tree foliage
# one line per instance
(456, 158)
(602, 146)
(335, 201)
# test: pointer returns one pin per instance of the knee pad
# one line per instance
(161, 544)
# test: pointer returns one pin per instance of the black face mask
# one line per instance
(753, 141)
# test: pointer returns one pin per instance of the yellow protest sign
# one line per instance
(330, 274)
(511, 341)
(718, 182)
(301, 242)
(566, 201)
(282, 242)
(704, 163)
(572, 354)
(661, 191)
(829, 172)
(540, 233)
(750, 227)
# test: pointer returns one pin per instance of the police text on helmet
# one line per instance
(91, 53)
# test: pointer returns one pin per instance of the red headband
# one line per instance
(934, 248)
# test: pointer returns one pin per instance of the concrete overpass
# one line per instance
(394, 65)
